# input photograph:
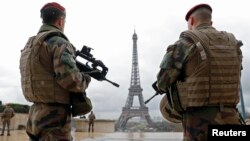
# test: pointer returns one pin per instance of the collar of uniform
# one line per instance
(203, 25)
(46, 27)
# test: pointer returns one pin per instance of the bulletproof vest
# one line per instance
(213, 72)
(38, 81)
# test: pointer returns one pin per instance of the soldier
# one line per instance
(7, 114)
(91, 121)
(49, 77)
(247, 121)
(204, 65)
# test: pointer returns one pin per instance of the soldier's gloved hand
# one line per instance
(154, 85)
(86, 78)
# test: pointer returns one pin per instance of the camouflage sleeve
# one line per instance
(239, 44)
(173, 62)
(67, 74)
(13, 112)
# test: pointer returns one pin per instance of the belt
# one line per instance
(65, 106)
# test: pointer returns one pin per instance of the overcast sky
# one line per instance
(107, 26)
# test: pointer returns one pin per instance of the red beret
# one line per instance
(197, 7)
(54, 5)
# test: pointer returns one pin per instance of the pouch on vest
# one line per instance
(175, 98)
(81, 104)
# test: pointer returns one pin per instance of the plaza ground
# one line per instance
(20, 135)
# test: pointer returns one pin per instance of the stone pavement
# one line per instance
(137, 136)
(20, 135)
(15, 135)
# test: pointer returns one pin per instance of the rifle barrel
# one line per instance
(151, 97)
(115, 84)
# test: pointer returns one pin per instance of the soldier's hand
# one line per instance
(86, 77)
(154, 85)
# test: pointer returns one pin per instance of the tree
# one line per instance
(18, 108)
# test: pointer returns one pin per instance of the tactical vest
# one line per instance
(38, 81)
(213, 73)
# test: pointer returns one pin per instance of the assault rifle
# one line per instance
(157, 92)
(97, 70)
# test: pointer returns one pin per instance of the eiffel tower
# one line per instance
(130, 111)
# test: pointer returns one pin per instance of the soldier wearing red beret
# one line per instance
(200, 74)
(49, 78)
(196, 7)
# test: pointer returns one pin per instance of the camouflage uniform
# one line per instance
(91, 121)
(195, 120)
(7, 114)
(49, 117)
